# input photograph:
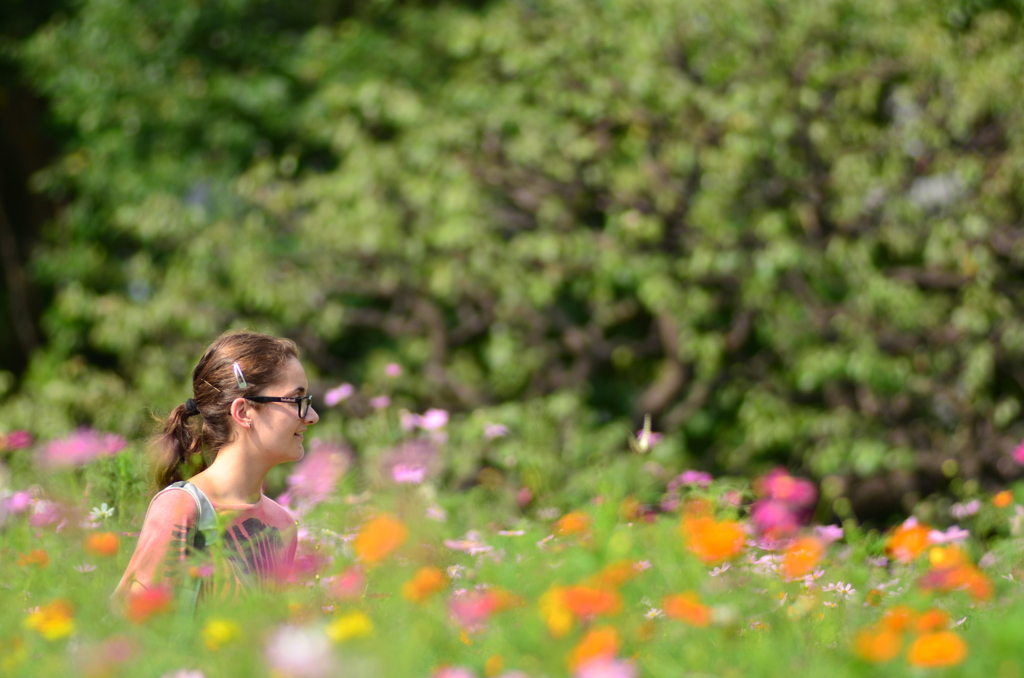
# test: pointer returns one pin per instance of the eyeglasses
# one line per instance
(302, 403)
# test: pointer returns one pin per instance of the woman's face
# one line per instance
(277, 425)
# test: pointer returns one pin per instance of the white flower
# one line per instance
(101, 511)
(719, 570)
(845, 590)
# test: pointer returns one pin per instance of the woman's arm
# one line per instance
(163, 543)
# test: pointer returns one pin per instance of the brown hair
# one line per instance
(180, 444)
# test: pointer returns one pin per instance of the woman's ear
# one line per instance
(241, 412)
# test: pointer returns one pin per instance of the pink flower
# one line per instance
(961, 511)
(523, 497)
(453, 672)
(408, 420)
(18, 502)
(472, 609)
(492, 431)
(314, 478)
(393, 369)
(1018, 453)
(80, 448)
(349, 585)
(299, 652)
(380, 402)
(434, 419)
(411, 462)
(45, 513)
(336, 395)
(950, 536)
(828, 533)
(606, 668)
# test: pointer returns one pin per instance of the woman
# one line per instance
(249, 411)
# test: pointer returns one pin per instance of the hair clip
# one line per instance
(210, 385)
(239, 377)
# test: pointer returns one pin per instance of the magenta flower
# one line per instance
(316, 476)
(15, 440)
(300, 653)
(774, 519)
(336, 395)
(492, 431)
(380, 402)
(690, 477)
(780, 485)
(412, 474)
(408, 420)
(393, 369)
(1018, 453)
(80, 448)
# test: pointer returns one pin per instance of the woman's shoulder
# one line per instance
(173, 502)
(279, 514)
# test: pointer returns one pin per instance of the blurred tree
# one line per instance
(788, 230)
(28, 143)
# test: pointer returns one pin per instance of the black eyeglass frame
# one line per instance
(303, 403)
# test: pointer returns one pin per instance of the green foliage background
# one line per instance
(790, 231)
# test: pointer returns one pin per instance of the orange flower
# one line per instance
(931, 620)
(941, 648)
(35, 557)
(576, 522)
(688, 608)
(616, 574)
(379, 538)
(426, 582)
(874, 597)
(965, 576)
(555, 613)
(898, 618)
(711, 540)
(600, 643)
(101, 544)
(144, 604)
(802, 557)
(1003, 499)
(587, 601)
(53, 621)
(877, 643)
(907, 542)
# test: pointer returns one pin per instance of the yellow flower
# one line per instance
(355, 624)
(53, 621)
(555, 612)
(219, 632)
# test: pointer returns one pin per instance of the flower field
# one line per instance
(393, 577)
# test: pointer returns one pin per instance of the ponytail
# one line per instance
(179, 447)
